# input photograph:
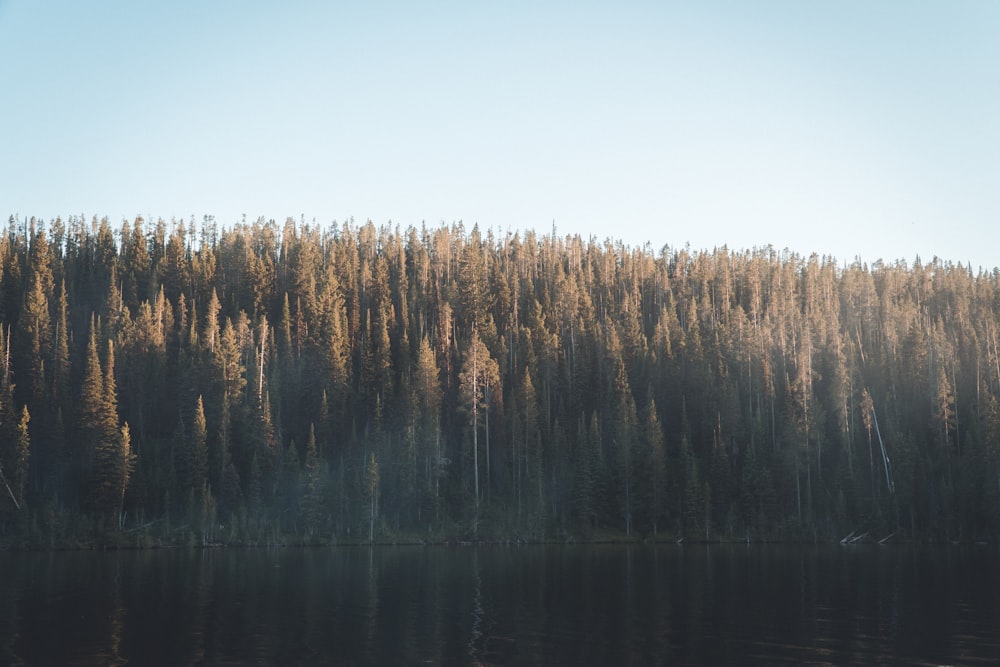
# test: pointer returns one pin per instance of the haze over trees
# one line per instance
(267, 382)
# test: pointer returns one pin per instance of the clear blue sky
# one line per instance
(843, 128)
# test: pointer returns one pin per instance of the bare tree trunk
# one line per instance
(885, 457)
(11, 493)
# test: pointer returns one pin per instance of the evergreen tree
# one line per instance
(521, 358)
(111, 459)
(479, 373)
(22, 457)
(62, 364)
(33, 339)
(623, 442)
(371, 493)
(92, 425)
(198, 456)
(651, 473)
(312, 509)
(428, 395)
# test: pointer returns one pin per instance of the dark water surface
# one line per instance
(545, 605)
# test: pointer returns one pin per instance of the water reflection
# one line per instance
(503, 605)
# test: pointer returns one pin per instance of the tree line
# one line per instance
(259, 382)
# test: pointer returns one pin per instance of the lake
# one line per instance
(504, 605)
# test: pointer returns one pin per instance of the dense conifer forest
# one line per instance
(183, 382)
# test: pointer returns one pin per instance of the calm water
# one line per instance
(549, 605)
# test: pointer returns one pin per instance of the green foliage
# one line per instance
(519, 385)
(22, 456)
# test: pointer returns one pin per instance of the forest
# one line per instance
(185, 382)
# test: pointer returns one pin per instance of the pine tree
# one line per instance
(693, 498)
(228, 365)
(61, 365)
(586, 468)
(291, 470)
(125, 464)
(91, 406)
(427, 389)
(623, 442)
(176, 266)
(198, 457)
(136, 270)
(22, 457)
(111, 446)
(312, 503)
(255, 484)
(479, 373)
(335, 347)
(211, 331)
(33, 337)
(371, 493)
(651, 472)
(529, 463)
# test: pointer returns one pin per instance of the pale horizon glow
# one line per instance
(846, 129)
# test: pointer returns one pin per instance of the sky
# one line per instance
(850, 129)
